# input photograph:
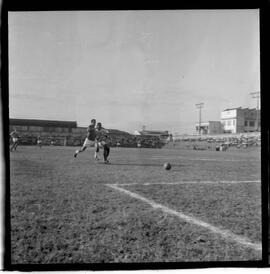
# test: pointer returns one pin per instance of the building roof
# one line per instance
(116, 131)
(239, 108)
(231, 108)
(207, 123)
(153, 132)
(42, 123)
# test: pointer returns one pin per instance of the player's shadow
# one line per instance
(147, 165)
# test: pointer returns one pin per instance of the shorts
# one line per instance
(101, 143)
(39, 142)
(88, 143)
(15, 140)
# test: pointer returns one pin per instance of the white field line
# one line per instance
(188, 182)
(203, 159)
(226, 234)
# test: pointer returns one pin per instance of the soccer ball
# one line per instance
(167, 166)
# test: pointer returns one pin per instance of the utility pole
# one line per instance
(200, 106)
(256, 95)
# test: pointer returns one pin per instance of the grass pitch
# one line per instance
(62, 210)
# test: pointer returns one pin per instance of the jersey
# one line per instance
(101, 135)
(91, 133)
(14, 134)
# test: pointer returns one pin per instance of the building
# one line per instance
(118, 132)
(163, 135)
(210, 127)
(237, 120)
(60, 132)
(37, 127)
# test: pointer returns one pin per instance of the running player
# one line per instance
(102, 142)
(15, 139)
(90, 139)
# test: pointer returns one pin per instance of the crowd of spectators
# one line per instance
(114, 140)
(210, 142)
(133, 141)
(32, 140)
(144, 141)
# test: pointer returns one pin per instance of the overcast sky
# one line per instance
(132, 68)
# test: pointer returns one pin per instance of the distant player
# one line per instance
(223, 147)
(15, 139)
(102, 142)
(39, 142)
(90, 139)
(139, 144)
(118, 144)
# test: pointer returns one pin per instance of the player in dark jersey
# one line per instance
(102, 142)
(90, 139)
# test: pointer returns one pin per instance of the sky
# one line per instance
(130, 69)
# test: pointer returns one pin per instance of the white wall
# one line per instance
(228, 114)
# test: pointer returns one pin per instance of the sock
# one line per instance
(106, 152)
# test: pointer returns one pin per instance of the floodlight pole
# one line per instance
(256, 95)
(200, 106)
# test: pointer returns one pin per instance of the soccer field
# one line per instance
(75, 210)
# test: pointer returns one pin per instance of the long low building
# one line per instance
(46, 124)
(60, 132)
(163, 135)
(210, 127)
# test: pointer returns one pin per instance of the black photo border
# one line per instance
(264, 11)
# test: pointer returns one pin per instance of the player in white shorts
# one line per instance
(90, 139)
(102, 142)
(15, 139)
(39, 142)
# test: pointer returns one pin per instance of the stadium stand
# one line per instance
(66, 133)
(243, 140)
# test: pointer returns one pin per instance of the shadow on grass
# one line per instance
(143, 164)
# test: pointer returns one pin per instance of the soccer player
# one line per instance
(102, 142)
(139, 144)
(15, 139)
(90, 139)
(39, 142)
